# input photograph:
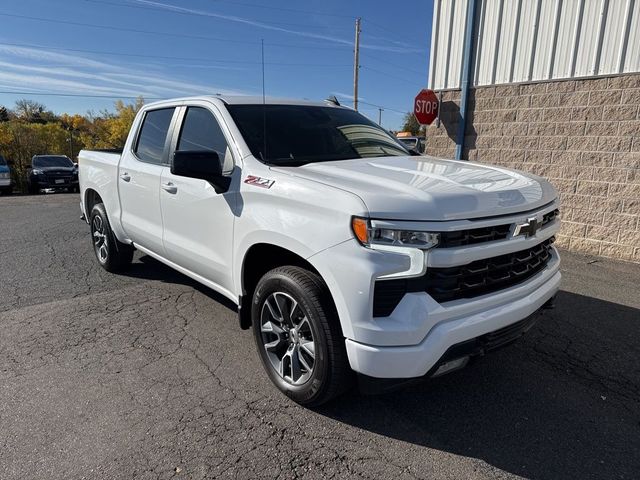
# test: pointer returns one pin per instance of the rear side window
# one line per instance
(153, 134)
(201, 131)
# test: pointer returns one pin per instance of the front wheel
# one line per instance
(298, 336)
(113, 255)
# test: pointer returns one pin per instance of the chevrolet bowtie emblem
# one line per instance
(528, 228)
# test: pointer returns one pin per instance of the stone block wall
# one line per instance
(581, 134)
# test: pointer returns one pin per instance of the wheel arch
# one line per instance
(258, 260)
(91, 198)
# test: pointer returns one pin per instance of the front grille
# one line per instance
(466, 281)
(486, 275)
(459, 238)
(472, 236)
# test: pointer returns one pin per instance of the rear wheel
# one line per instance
(298, 336)
(113, 255)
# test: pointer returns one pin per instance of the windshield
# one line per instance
(299, 134)
(52, 161)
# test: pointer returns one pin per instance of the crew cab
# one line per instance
(343, 252)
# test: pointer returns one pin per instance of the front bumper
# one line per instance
(417, 360)
(48, 184)
(414, 337)
(5, 183)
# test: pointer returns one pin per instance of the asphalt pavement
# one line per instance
(147, 375)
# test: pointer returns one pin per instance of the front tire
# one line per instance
(113, 255)
(298, 336)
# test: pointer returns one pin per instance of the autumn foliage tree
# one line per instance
(30, 129)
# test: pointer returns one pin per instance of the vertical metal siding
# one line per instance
(543, 47)
(632, 57)
(524, 49)
(613, 28)
(564, 43)
(457, 44)
(521, 40)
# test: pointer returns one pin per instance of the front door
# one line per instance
(198, 222)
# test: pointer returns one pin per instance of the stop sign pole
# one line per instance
(426, 107)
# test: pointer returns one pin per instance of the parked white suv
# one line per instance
(344, 252)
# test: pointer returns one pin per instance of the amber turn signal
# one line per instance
(360, 229)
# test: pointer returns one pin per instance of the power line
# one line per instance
(391, 76)
(79, 95)
(395, 65)
(166, 57)
(123, 29)
(183, 12)
(395, 34)
(377, 106)
(165, 33)
(306, 12)
(51, 94)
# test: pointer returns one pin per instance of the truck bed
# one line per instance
(100, 167)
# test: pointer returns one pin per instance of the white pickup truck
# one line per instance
(344, 252)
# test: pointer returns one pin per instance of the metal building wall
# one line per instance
(529, 40)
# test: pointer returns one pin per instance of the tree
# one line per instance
(411, 124)
(33, 130)
(4, 114)
(110, 130)
(28, 110)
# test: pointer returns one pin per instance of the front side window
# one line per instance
(201, 132)
(153, 134)
(300, 134)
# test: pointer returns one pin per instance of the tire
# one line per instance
(293, 315)
(113, 255)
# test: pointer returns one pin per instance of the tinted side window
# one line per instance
(153, 134)
(201, 131)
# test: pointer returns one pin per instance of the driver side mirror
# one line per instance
(202, 164)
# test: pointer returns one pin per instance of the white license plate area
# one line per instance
(59, 180)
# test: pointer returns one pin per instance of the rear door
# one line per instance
(139, 174)
(198, 222)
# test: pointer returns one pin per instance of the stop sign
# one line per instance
(425, 107)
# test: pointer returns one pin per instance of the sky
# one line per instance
(90, 53)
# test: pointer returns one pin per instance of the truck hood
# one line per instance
(430, 189)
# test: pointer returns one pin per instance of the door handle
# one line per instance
(125, 176)
(169, 187)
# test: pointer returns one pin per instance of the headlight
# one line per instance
(36, 171)
(4, 175)
(372, 236)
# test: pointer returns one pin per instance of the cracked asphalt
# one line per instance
(147, 375)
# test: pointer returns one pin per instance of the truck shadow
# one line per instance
(563, 402)
(148, 268)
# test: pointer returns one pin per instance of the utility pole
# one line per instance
(70, 140)
(380, 110)
(356, 65)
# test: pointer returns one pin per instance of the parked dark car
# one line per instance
(54, 172)
(6, 184)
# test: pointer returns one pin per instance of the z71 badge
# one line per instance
(259, 181)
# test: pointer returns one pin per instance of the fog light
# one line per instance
(451, 365)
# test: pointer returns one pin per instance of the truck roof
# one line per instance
(246, 100)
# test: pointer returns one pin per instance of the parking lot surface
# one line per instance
(147, 375)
